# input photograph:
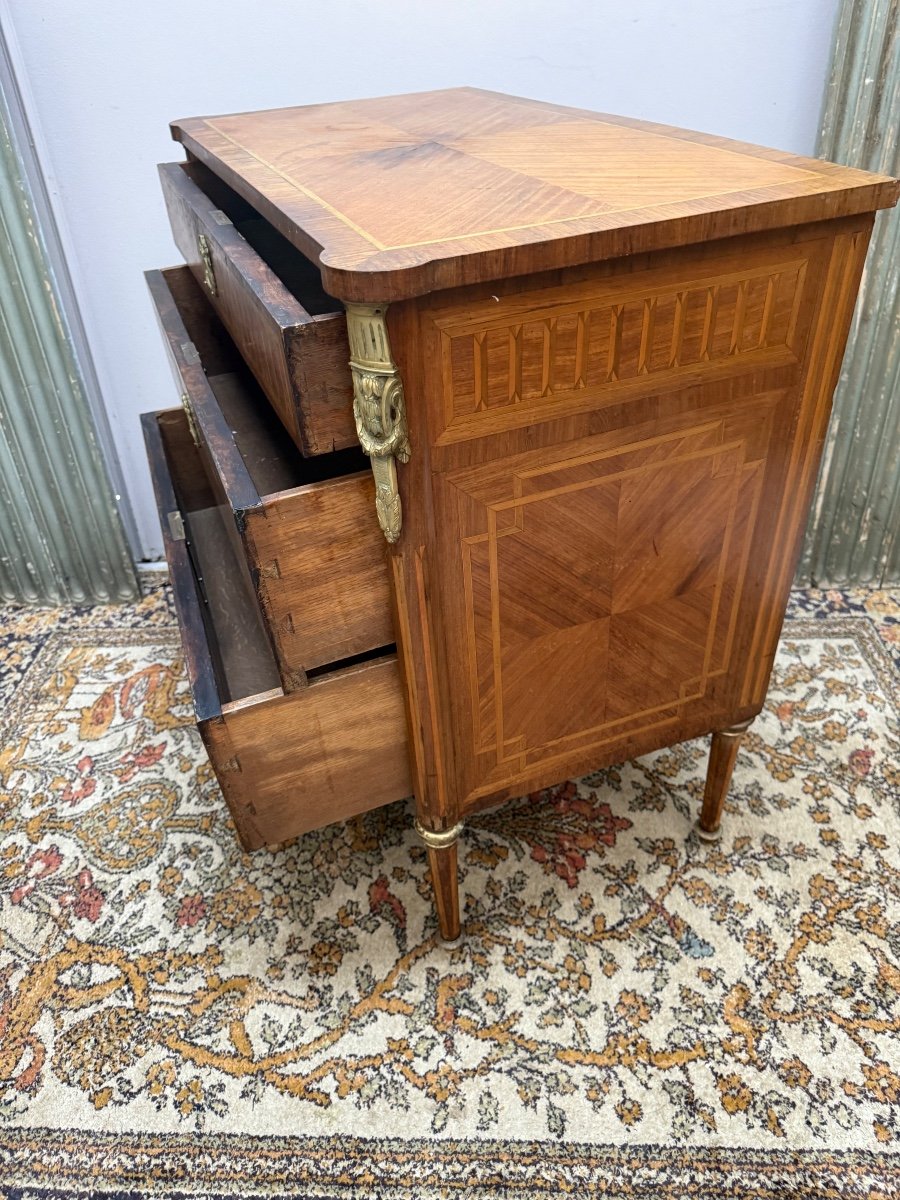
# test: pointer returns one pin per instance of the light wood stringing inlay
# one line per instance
(620, 341)
(579, 171)
(576, 352)
(403, 195)
(673, 598)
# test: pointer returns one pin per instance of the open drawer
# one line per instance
(286, 762)
(305, 527)
(292, 335)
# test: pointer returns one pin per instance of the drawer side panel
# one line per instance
(320, 755)
(321, 574)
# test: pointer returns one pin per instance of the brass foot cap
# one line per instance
(707, 835)
(439, 841)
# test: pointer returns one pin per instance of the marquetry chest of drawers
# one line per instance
(499, 426)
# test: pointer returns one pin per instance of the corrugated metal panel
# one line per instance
(61, 537)
(854, 534)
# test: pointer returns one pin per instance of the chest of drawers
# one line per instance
(499, 426)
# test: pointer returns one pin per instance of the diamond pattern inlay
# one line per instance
(637, 545)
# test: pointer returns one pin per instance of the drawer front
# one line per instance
(299, 355)
(286, 763)
(305, 527)
(300, 761)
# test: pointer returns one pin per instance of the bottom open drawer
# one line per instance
(286, 762)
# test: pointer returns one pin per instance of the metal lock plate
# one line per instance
(205, 252)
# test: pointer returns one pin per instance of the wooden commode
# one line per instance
(500, 422)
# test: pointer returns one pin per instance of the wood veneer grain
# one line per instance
(402, 195)
(618, 343)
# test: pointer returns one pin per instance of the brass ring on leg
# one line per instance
(441, 840)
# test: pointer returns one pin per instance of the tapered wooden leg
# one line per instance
(442, 861)
(723, 752)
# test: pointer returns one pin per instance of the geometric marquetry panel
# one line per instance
(566, 355)
(601, 593)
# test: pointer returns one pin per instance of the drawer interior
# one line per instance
(272, 458)
(295, 270)
(242, 657)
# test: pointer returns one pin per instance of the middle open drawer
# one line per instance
(305, 527)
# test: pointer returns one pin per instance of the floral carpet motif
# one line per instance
(631, 1011)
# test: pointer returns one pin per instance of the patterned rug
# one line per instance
(632, 1013)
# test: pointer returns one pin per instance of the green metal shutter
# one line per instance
(854, 533)
(61, 536)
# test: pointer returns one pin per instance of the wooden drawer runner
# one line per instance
(292, 335)
(287, 763)
(305, 528)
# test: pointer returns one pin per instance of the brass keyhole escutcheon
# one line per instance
(209, 275)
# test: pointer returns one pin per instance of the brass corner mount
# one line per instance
(379, 408)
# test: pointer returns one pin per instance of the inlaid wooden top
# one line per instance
(403, 195)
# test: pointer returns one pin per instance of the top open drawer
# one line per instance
(270, 299)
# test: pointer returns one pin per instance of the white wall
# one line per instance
(106, 76)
